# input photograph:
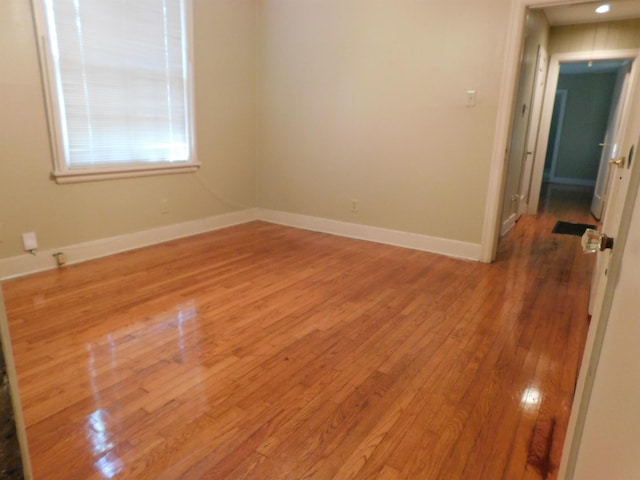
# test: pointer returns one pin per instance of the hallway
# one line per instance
(568, 203)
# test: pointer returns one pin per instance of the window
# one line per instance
(118, 86)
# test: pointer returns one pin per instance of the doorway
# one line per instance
(598, 44)
(586, 98)
(583, 101)
(574, 33)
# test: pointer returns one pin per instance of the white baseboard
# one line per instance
(508, 224)
(44, 260)
(398, 238)
(26, 264)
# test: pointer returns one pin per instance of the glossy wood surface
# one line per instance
(266, 352)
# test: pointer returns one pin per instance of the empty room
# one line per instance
(287, 239)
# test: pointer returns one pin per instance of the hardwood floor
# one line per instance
(266, 352)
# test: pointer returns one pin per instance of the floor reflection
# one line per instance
(104, 442)
(103, 424)
(531, 398)
(99, 423)
(185, 315)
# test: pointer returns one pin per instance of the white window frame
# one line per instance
(62, 172)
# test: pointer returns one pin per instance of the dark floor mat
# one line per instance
(567, 228)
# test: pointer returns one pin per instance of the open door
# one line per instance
(624, 183)
(617, 177)
(609, 443)
(534, 127)
(610, 143)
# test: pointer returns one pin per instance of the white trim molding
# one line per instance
(398, 238)
(26, 264)
(94, 174)
(43, 260)
(513, 45)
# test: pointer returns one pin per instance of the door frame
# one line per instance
(493, 208)
(508, 87)
(499, 153)
(549, 100)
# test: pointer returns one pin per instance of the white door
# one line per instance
(610, 142)
(521, 126)
(609, 442)
(624, 184)
(534, 127)
(617, 180)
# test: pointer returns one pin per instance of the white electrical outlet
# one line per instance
(354, 205)
(164, 206)
(30, 241)
(61, 258)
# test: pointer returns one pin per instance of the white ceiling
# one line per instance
(585, 12)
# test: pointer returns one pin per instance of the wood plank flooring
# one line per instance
(266, 352)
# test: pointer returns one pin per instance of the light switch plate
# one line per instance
(471, 98)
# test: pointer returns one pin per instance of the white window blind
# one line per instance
(119, 82)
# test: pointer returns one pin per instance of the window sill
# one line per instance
(96, 174)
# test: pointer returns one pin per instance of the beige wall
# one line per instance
(365, 99)
(302, 106)
(69, 214)
(601, 36)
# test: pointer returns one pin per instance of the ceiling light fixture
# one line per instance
(603, 8)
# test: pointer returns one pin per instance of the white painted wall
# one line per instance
(365, 99)
(352, 99)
